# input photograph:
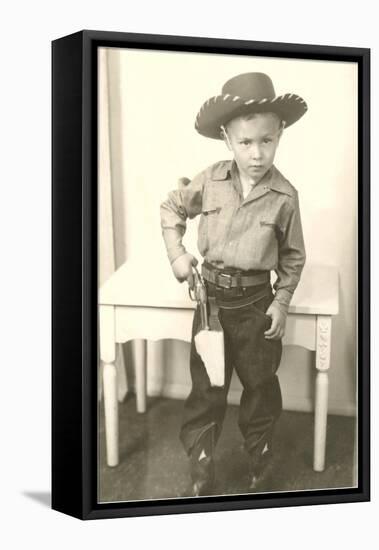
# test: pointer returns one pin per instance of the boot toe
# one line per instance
(260, 476)
(203, 474)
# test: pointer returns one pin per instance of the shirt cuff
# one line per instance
(282, 300)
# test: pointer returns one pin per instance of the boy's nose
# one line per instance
(255, 152)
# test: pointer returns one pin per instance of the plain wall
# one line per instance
(154, 98)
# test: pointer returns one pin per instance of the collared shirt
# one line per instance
(260, 232)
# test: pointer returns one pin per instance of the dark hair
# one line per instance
(249, 116)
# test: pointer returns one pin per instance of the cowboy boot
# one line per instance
(260, 471)
(202, 463)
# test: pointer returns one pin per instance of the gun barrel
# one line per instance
(201, 298)
(204, 316)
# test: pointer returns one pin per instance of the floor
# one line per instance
(153, 464)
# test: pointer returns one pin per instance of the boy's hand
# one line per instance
(278, 323)
(182, 268)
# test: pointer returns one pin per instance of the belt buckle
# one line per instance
(224, 280)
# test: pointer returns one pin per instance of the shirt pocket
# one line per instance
(212, 203)
(215, 216)
(209, 226)
(210, 210)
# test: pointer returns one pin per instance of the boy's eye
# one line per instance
(247, 143)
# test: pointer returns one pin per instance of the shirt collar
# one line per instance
(223, 170)
(278, 183)
(273, 179)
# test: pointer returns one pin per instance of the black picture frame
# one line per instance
(74, 273)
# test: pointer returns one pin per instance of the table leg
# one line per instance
(122, 383)
(108, 356)
(323, 339)
(111, 412)
(140, 370)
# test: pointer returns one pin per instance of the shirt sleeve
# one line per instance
(180, 205)
(291, 257)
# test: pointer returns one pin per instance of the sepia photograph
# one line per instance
(228, 260)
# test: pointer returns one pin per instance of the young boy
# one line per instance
(250, 224)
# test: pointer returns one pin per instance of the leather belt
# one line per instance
(232, 280)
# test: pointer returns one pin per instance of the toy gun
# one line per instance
(200, 296)
(209, 341)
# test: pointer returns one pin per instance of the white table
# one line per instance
(132, 308)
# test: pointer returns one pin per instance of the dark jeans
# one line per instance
(256, 361)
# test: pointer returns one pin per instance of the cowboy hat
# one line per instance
(243, 94)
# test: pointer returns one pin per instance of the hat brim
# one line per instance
(219, 110)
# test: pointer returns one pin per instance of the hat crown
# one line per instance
(250, 86)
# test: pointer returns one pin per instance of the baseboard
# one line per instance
(290, 402)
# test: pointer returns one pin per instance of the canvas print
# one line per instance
(227, 274)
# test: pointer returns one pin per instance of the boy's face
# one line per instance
(254, 141)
